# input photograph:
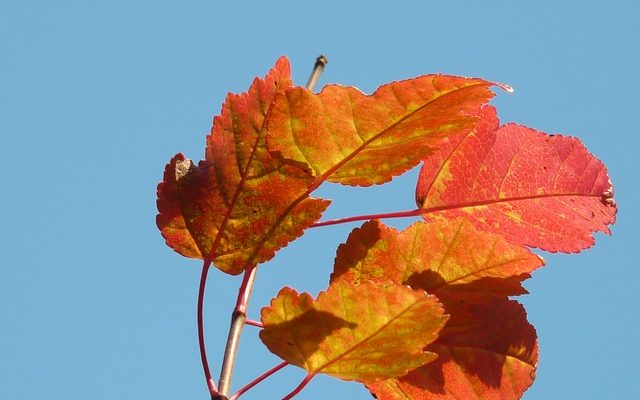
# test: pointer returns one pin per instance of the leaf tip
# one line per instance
(505, 87)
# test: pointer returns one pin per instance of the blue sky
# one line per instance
(96, 96)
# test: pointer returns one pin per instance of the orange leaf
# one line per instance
(239, 205)
(342, 135)
(494, 360)
(449, 259)
(471, 272)
(539, 190)
(353, 332)
(446, 256)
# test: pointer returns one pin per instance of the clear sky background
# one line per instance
(96, 96)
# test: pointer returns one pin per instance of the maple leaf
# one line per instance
(540, 190)
(342, 135)
(236, 207)
(353, 331)
(494, 360)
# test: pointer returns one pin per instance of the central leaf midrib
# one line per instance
(243, 176)
(486, 202)
(376, 136)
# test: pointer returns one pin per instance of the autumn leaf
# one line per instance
(444, 256)
(540, 190)
(342, 135)
(239, 205)
(487, 346)
(353, 331)
(494, 360)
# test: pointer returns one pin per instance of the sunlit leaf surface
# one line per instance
(353, 331)
(239, 205)
(540, 190)
(342, 135)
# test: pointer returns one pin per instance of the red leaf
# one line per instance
(187, 211)
(353, 332)
(494, 360)
(342, 135)
(539, 190)
(239, 205)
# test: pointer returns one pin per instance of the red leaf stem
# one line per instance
(257, 380)
(299, 388)
(251, 322)
(203, 352)
(366, 217)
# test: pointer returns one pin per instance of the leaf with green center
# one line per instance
(239, 205)
(540, 190)
(494, 360)
(342, 135)
(353, 332)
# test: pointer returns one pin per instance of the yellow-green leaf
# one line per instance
(342, 135)
(354, 332)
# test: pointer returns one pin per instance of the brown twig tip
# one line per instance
(318, 67)
(322, 60)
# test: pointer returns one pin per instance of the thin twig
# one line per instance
(203, 352)
(259, 379)
(238, 319)
(318, 67)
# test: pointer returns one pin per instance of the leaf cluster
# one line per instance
(423, 313)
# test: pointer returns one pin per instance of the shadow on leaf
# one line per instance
(486, 348)
(481, 290)
(492, 359)
(299, 338)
